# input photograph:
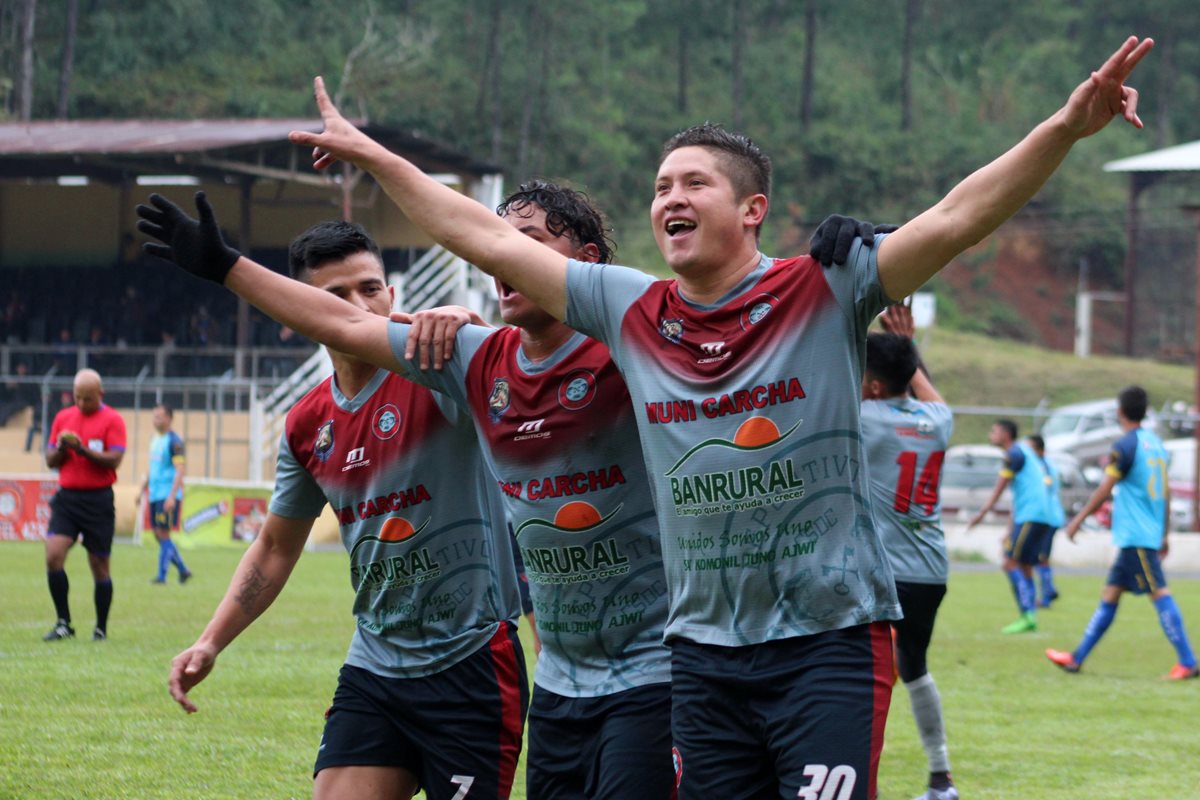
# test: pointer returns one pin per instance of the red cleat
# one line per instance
(1063, 660)
(1181, 673)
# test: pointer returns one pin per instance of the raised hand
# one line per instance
(339, 141)
(898, 319)
(195, 245)
(1104, 95)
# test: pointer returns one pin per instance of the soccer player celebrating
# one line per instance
(1140, 521)
(560, 437)
(163, 489)
(745, 373)
(905, 439)
(1031, 519)
(433, 692)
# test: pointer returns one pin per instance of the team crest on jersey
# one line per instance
(577, 390)
(677, 763)
(386, 421)
(499, 398)
(756, 309)
(324, 444)
(671, 330)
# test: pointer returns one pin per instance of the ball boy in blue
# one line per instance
(1141, 519)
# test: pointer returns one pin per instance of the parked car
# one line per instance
(969, 473)
(1181, 476)
(1087, 430)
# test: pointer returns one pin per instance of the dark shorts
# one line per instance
(1138, 570)
(459, 731)
(160, 519)
(1024, 542)
(1047, 545)
(84, 512)
(919, 602)
(601, 748)
(799, 717)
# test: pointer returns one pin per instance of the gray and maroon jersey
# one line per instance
(563, 445)
(430, 556)
(748, 414)
(906, 441)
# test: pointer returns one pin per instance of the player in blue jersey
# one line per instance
(1058, 517)
(164, 491)
(746, 373)
(433, 693)
(905, 440)
(1140, 522)
(1023, 544)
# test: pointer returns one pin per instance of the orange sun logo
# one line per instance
(396, 529)
(756, 432)
(576, 516)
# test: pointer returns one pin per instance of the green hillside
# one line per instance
(974, 370)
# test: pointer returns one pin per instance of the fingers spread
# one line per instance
(204, 208)
(149, 228)
(148, 213)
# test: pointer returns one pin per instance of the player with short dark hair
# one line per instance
(86, 445)
(433, 692)
(1141, 520)
(1031, 519)
(745, 373)
(559, 434)
(905, 439)
(163, 489)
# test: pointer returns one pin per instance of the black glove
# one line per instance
(195, 245)
(831, 242)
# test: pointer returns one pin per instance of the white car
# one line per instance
(969, 473)
(1087, 430)
(1181, 475)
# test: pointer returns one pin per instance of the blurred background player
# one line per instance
(1141, 519)
(163, 489)
(1058, 517)
(433, 692)
(86, 445)
(1030, 518)
(905, 439)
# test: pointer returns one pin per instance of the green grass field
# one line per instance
(85, 720)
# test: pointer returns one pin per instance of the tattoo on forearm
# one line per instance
(254, 583)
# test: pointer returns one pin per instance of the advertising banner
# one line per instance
(25, 507)
(222, 514)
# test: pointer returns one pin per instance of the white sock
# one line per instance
(927, 711)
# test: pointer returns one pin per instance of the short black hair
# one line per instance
(1009, 426)
(569, 212)
(166, 410)
(1038, 442)
(747, 167)
(1133, 402)
(891, 359)
(328, 241)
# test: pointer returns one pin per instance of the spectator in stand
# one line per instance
(65, 352)
(18, 395)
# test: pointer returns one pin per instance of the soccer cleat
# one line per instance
(184, 577)
(1047, 600)
(1181, 673)
(949, 793)
(99, 635)
(1063, 660)
(1026, 623)
(61, 630)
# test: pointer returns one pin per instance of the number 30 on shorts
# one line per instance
(828, 784)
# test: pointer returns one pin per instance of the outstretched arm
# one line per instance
(997, 490)
(196, 245)
(1102, 493)
(456, 222)
(992, 194)
(259, 578)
